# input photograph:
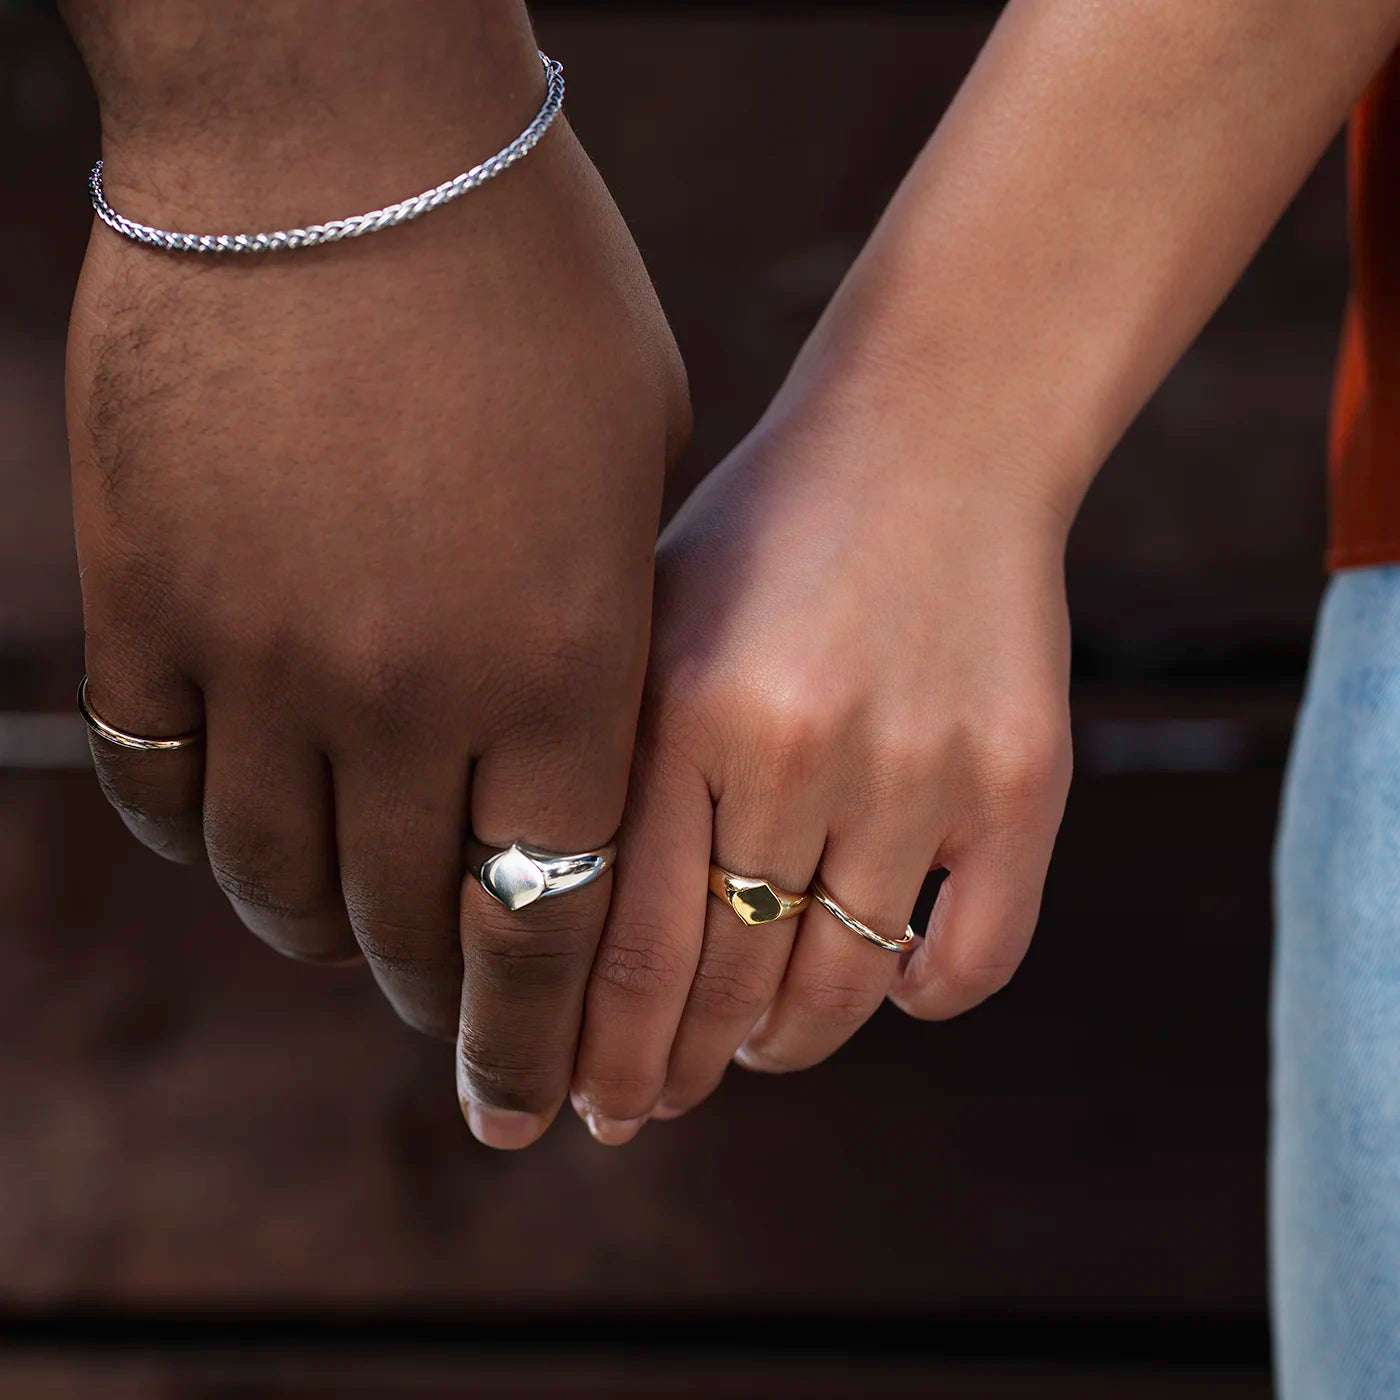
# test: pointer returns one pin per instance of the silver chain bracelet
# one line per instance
(358, 225)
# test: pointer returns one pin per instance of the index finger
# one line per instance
(646, 962)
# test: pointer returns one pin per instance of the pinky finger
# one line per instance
(157, 793)
(982, 924)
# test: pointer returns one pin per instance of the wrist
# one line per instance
(1038, 371)
(227, 116)
(914, 433)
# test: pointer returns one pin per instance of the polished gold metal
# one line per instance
(755, 901)
(891, 945)
(120, 737)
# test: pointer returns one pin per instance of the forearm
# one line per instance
(264, 113)
(1099, 184)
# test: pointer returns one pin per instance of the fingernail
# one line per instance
(664, 1111)
(613, 1132)
(503, 1128)
(760, 1061)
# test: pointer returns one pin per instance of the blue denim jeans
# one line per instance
(1335, 1169)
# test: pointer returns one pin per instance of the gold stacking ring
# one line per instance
(891, 945)
(120, 737)
(755, 901)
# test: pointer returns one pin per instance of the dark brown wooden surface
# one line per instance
(529, 1377)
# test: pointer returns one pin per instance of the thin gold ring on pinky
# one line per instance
(891, 945)
(753, 900)
(120, 737)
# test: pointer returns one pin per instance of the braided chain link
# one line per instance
(358, 225)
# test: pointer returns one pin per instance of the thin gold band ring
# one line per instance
(891, 945)
(120, 737)
(753, 900)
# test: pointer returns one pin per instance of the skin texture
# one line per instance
(860, 657)
(380, 516)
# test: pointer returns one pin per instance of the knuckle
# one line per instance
(139, 797)
(681, 686)
(391, 681)
(383, 686)
(1025, 763)
(489, 1074)
(317, 937)
(431, 1025)
(726, 988)
(619, 1092)
(783, 731)
(369, 671)
(800, 723)
(262, 891)
(912, 754)
(317, 954)
(835, 999)
(547, 687)
(639, 960)
(172, 837)
(688, 1089)
(673, 736)
(168, 840)
(904, 772)
(969, 980)
(784, 763)
(253, 867)
(536, 950)
(418, 949)
(418, 964)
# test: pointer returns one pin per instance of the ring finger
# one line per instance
(401, 810)
(741, 966)
(836, 978)
(269, 828)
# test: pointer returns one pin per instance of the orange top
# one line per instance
(1365, 446)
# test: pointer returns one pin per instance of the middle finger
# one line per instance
(525, 970)
(775, 836)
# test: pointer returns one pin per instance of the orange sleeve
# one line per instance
(1365, 436)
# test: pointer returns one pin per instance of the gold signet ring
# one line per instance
(755, 901)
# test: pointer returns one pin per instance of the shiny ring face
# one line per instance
(513, 878)
(517, 875)
(755, 901)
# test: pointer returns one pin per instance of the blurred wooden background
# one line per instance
(201, 1144)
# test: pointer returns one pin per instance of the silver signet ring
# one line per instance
(517, 875)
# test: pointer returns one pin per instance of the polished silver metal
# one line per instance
(121, 738)
(518, 875)
(357, 225)
(891, 945)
